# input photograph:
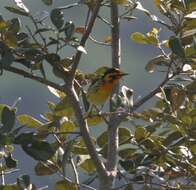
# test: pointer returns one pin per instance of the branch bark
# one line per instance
(84, 38)
(113, 141)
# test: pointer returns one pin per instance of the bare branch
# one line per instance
(75, 171)
(85, 133)
(113, 141)
(85, 37)
(34, 77)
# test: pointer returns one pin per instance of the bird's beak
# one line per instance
(123, 74)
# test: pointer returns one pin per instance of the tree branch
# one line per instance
(113, 141)
(34, 77)
(84, 38)
(74, 99)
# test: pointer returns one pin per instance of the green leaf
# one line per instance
(88, 166)
(68, 126)
(65, 185)
(150, 38)
(6, 139)
(174, 136)
(47, 2)
(17, 11)
(69, 29)
(45, 169)
(39, 150)
(176, 46)
(24, 138)
(140, 134)
(3, 25)
(10, 40)
(10, 161)
(7, 119)
(121, 2)
(7, 58)
(128, 165)
(124, 135)
(64, 108)
(148, 144)
(10, 187)
(157, 61)
(139, 38)
(29, 121)
(127, 153)
(57, 18)
(94, 120)
(14, 25)
(24, 181)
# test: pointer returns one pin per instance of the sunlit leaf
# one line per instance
(17, 11)
(108, 40)
(140, 133)
(21, 5)
(65, 185)
(94, 120)
(88, 166)
(57, 93)
(29, 121)
(121, 2)
(43, 169)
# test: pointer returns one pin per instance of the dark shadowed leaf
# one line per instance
(57, 18)
(172, 138)
(14, 25)
(157, 61)
(10, 161)
(176, 46)
(7, 119)
(69, 29)
(24, 181)
(39, 150)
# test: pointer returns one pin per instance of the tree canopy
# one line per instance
(153, 148)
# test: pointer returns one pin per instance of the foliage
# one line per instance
(158, 146)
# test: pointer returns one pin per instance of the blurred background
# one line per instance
(134, 58)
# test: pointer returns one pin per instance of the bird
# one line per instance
(102, 86)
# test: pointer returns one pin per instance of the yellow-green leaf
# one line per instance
(65, 185)
(29, 121)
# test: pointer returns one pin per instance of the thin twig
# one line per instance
(66, 178)
(34, 77)
(2, 177)
(75, 171)
(98, 42)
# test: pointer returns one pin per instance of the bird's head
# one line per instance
(113, 74)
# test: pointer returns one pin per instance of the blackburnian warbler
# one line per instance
(101, 88)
